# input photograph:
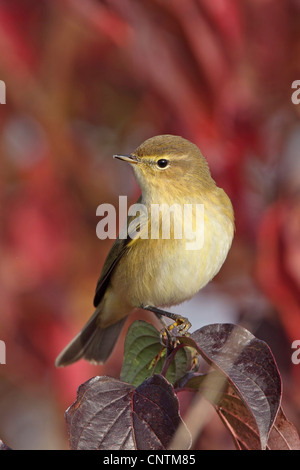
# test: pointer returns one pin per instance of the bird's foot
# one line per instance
(180, 326)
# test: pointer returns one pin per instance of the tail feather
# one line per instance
(92, 343)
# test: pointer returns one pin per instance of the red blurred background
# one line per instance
(86, 80)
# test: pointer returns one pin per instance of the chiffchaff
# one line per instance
(151, 273)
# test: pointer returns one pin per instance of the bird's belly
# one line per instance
(169, 273)
(183, 273)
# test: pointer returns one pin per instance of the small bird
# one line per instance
(155, 273)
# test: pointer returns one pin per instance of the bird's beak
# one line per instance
(128, 158)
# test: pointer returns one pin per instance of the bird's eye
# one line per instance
(162, 163)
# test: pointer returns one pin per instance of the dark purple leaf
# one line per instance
(100, 418)
(112, 415)
(283, 435)
(249, 366)
(4, 446)
(237, 417)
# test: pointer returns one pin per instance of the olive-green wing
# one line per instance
(116, 252)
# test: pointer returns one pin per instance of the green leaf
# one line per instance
(144, 356)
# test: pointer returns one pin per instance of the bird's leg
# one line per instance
(182, 324)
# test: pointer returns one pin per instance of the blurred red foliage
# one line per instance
(89, 79)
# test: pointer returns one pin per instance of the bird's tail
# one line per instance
(93, 343)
